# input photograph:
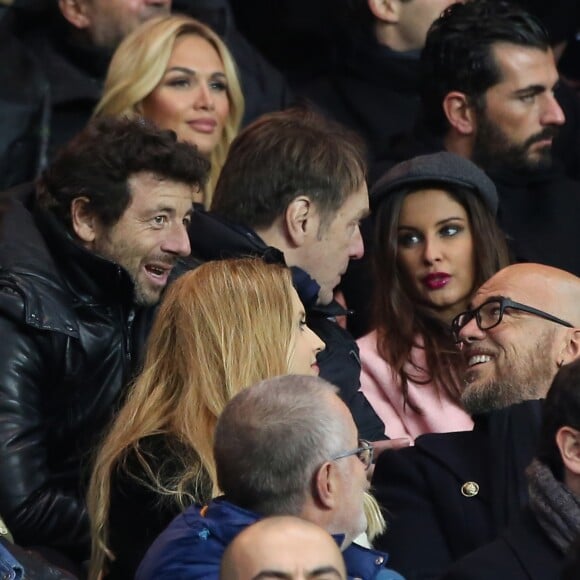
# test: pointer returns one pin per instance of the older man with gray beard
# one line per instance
(453, 492)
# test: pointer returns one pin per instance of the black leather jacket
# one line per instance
(70, 342)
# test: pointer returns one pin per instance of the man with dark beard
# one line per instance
(454, 492)
(490, 92)
(490, 89)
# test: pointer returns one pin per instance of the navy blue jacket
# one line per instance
(193, 544)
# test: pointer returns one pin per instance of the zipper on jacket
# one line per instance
(128, 334)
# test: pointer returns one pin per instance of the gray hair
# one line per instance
(270, 440)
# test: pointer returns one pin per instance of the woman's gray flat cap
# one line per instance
(436, 169)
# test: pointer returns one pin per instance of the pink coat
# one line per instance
(381, 387)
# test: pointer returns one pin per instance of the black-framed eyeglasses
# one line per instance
(490, 314)
(365, 452)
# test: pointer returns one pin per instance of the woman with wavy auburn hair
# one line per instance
(176, 72)
(222, 327)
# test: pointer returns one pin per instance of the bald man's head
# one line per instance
(556, 291)
(513, 354)
(283, 548)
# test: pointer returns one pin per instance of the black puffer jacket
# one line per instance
(47, 94)
(24, 98)
(215, 239)
(375, 92)
(70, 342)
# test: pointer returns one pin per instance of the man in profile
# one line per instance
(293, 189)
(491, 93)
(287, 446)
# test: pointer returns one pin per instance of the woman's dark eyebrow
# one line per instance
(449, 219)
(440, 222)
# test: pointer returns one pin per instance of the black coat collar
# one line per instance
(215, 238)
(55, 272)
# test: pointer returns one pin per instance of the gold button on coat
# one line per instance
(470, 489)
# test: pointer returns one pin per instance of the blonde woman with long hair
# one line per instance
(176, 72)
(220, 328)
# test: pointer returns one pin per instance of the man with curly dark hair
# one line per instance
(84, 256)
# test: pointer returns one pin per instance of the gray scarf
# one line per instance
(556, 509)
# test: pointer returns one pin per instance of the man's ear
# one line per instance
(385, 10)
(568, 442)
(325, 485)
(84, 223)
(76, 12)
(571, 350)
(460, 114)
(299, 219)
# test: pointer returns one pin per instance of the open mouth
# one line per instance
(158, 274)
(155, 270)
(478, 359)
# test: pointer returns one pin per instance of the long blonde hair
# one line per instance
(139, 64)
(220, 328)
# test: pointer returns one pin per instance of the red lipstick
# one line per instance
(436, 280)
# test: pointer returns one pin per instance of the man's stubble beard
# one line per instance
(529, 380)
(493, 150)
(494, 396)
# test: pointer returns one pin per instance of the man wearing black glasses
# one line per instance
(513, 349)
(453, 492)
